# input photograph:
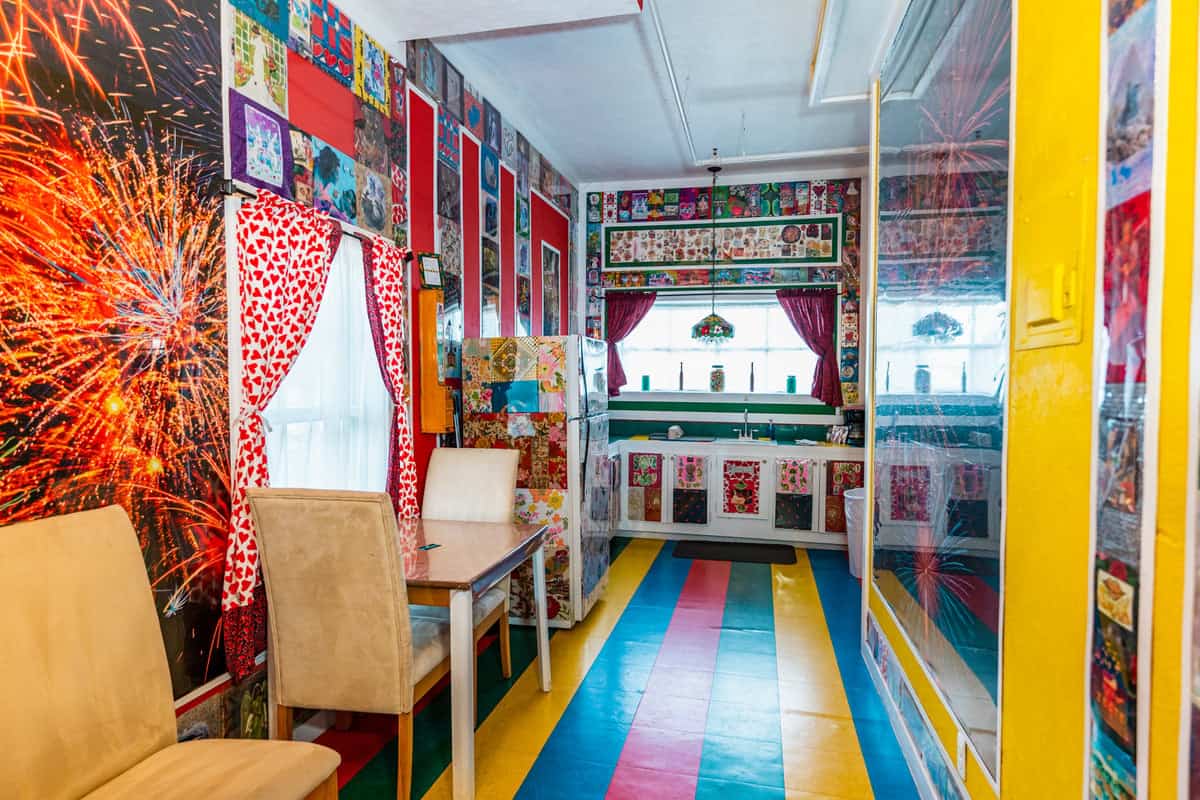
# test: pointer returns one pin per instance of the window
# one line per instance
(763, 337)
(980, 351)
(329, 425)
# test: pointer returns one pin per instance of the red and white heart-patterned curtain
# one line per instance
(283, 253)
(387, 309)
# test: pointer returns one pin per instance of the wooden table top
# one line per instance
(469, 555)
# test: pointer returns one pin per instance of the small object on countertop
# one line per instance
(791, 384)
(681, 376)
(716, 378)
(429, 546)
(771, 429)
(674, 432)
(645, 383)
(838, 433)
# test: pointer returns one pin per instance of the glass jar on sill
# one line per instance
(922, 379)
(716, 378)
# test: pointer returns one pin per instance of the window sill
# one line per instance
(739, 398)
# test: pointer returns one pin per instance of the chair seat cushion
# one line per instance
(485, 604)
(430, 645)
(216, 769)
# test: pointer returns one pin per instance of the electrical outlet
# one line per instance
(962, 756)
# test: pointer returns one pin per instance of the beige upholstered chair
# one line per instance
(339, 626)
(85, 687)
(474, 485)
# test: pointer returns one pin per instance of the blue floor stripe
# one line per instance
(578, 760)
(743, 747)
(841, 599)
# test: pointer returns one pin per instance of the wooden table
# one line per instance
(471, 557)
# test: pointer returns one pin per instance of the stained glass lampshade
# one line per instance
(713, 329)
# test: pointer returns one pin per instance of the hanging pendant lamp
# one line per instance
(713, 329)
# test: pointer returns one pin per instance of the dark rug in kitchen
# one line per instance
(737, 551)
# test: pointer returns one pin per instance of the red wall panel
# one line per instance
(422, 140)
(551, 226)
(320, 105)
(470, 232)
(508, 258)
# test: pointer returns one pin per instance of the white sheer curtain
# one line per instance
(328, 427)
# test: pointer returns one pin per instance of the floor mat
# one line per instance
(737, 551)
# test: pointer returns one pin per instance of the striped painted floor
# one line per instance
(692, 679)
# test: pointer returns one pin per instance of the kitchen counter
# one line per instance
(736, 489)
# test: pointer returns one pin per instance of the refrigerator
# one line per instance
(547, 396)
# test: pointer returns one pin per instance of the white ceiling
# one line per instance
(601, 93)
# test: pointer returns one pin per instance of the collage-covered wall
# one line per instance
(821, 246)
(112, 290)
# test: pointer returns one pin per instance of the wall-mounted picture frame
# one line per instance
(452, 87)
(430, 265)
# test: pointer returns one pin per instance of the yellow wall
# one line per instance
(1175, 430)
(1047, 542)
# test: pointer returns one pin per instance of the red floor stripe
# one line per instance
(983, 601)
(661, 756)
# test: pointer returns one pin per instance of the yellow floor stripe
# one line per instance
(509, 740)
(821, 754)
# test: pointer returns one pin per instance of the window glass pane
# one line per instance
(763, 337)
(329, 425)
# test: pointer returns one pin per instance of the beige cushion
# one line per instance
(83, 674)
(225, 769)
(485, 604)
(430, 645)
(470, 485)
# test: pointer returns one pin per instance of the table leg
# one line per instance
(462, 694)
(543, 634)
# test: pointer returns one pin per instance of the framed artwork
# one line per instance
(491, 217)
(449, 193)
(524, 305)
(489, 297)
(452, 82)
(431, 270)
(259, 64)
(493, 127)
(473, 111)
(448, 148)
(261, 146)
(489, 171)
(372, 72)
(551, 289)
(374, 200)
(522, 216)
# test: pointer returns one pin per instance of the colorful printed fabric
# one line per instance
(374, 200)
(793, 511)
(399, 197)
(910, 493)
(741, 482)
(299, 38)
(690, 507)
(794, 476)
(272, 16)
(691, 472)
(473, 111)
(284, 252)
(332, 35)
(969, 481)
(448, 148)
(387, 308)
(260, 146)
(371, 133)
(645, 469)
(652, 509)
(835, 514)
(302, 167)
(635, 501)
(544, 507)
(335, 182)
(844, 475)
(259, 64)
(371, 72)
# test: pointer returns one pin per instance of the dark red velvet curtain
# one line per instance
(622, 313)
(813, 313)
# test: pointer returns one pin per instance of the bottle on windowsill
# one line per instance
(751, 377)
(681, 376)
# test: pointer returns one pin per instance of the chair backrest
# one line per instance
(337, 618)
(84, 681)
(471, 484)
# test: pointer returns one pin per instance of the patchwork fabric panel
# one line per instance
(635, 503)
(969, 481)
(515, 397)
(259, 64)
(967, 518)
(691, 472)
(794, 476)
(690, 507)
(544, 507)
(645, 469)
(910, 493)
(333, 41)
(844, 475)
(835, 514)
(793, 511)
(371, 72)
(653, 504)
(741, 481)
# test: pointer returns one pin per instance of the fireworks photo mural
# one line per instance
(112, 289)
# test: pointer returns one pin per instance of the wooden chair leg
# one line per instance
(283, 722)
(404, 741)
(505, 648)
(342, 720)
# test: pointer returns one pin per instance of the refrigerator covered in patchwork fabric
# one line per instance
(546, 396)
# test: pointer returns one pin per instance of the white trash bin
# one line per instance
(856, 529)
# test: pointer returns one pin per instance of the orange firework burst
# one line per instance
(61, 26)
(112, 344)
